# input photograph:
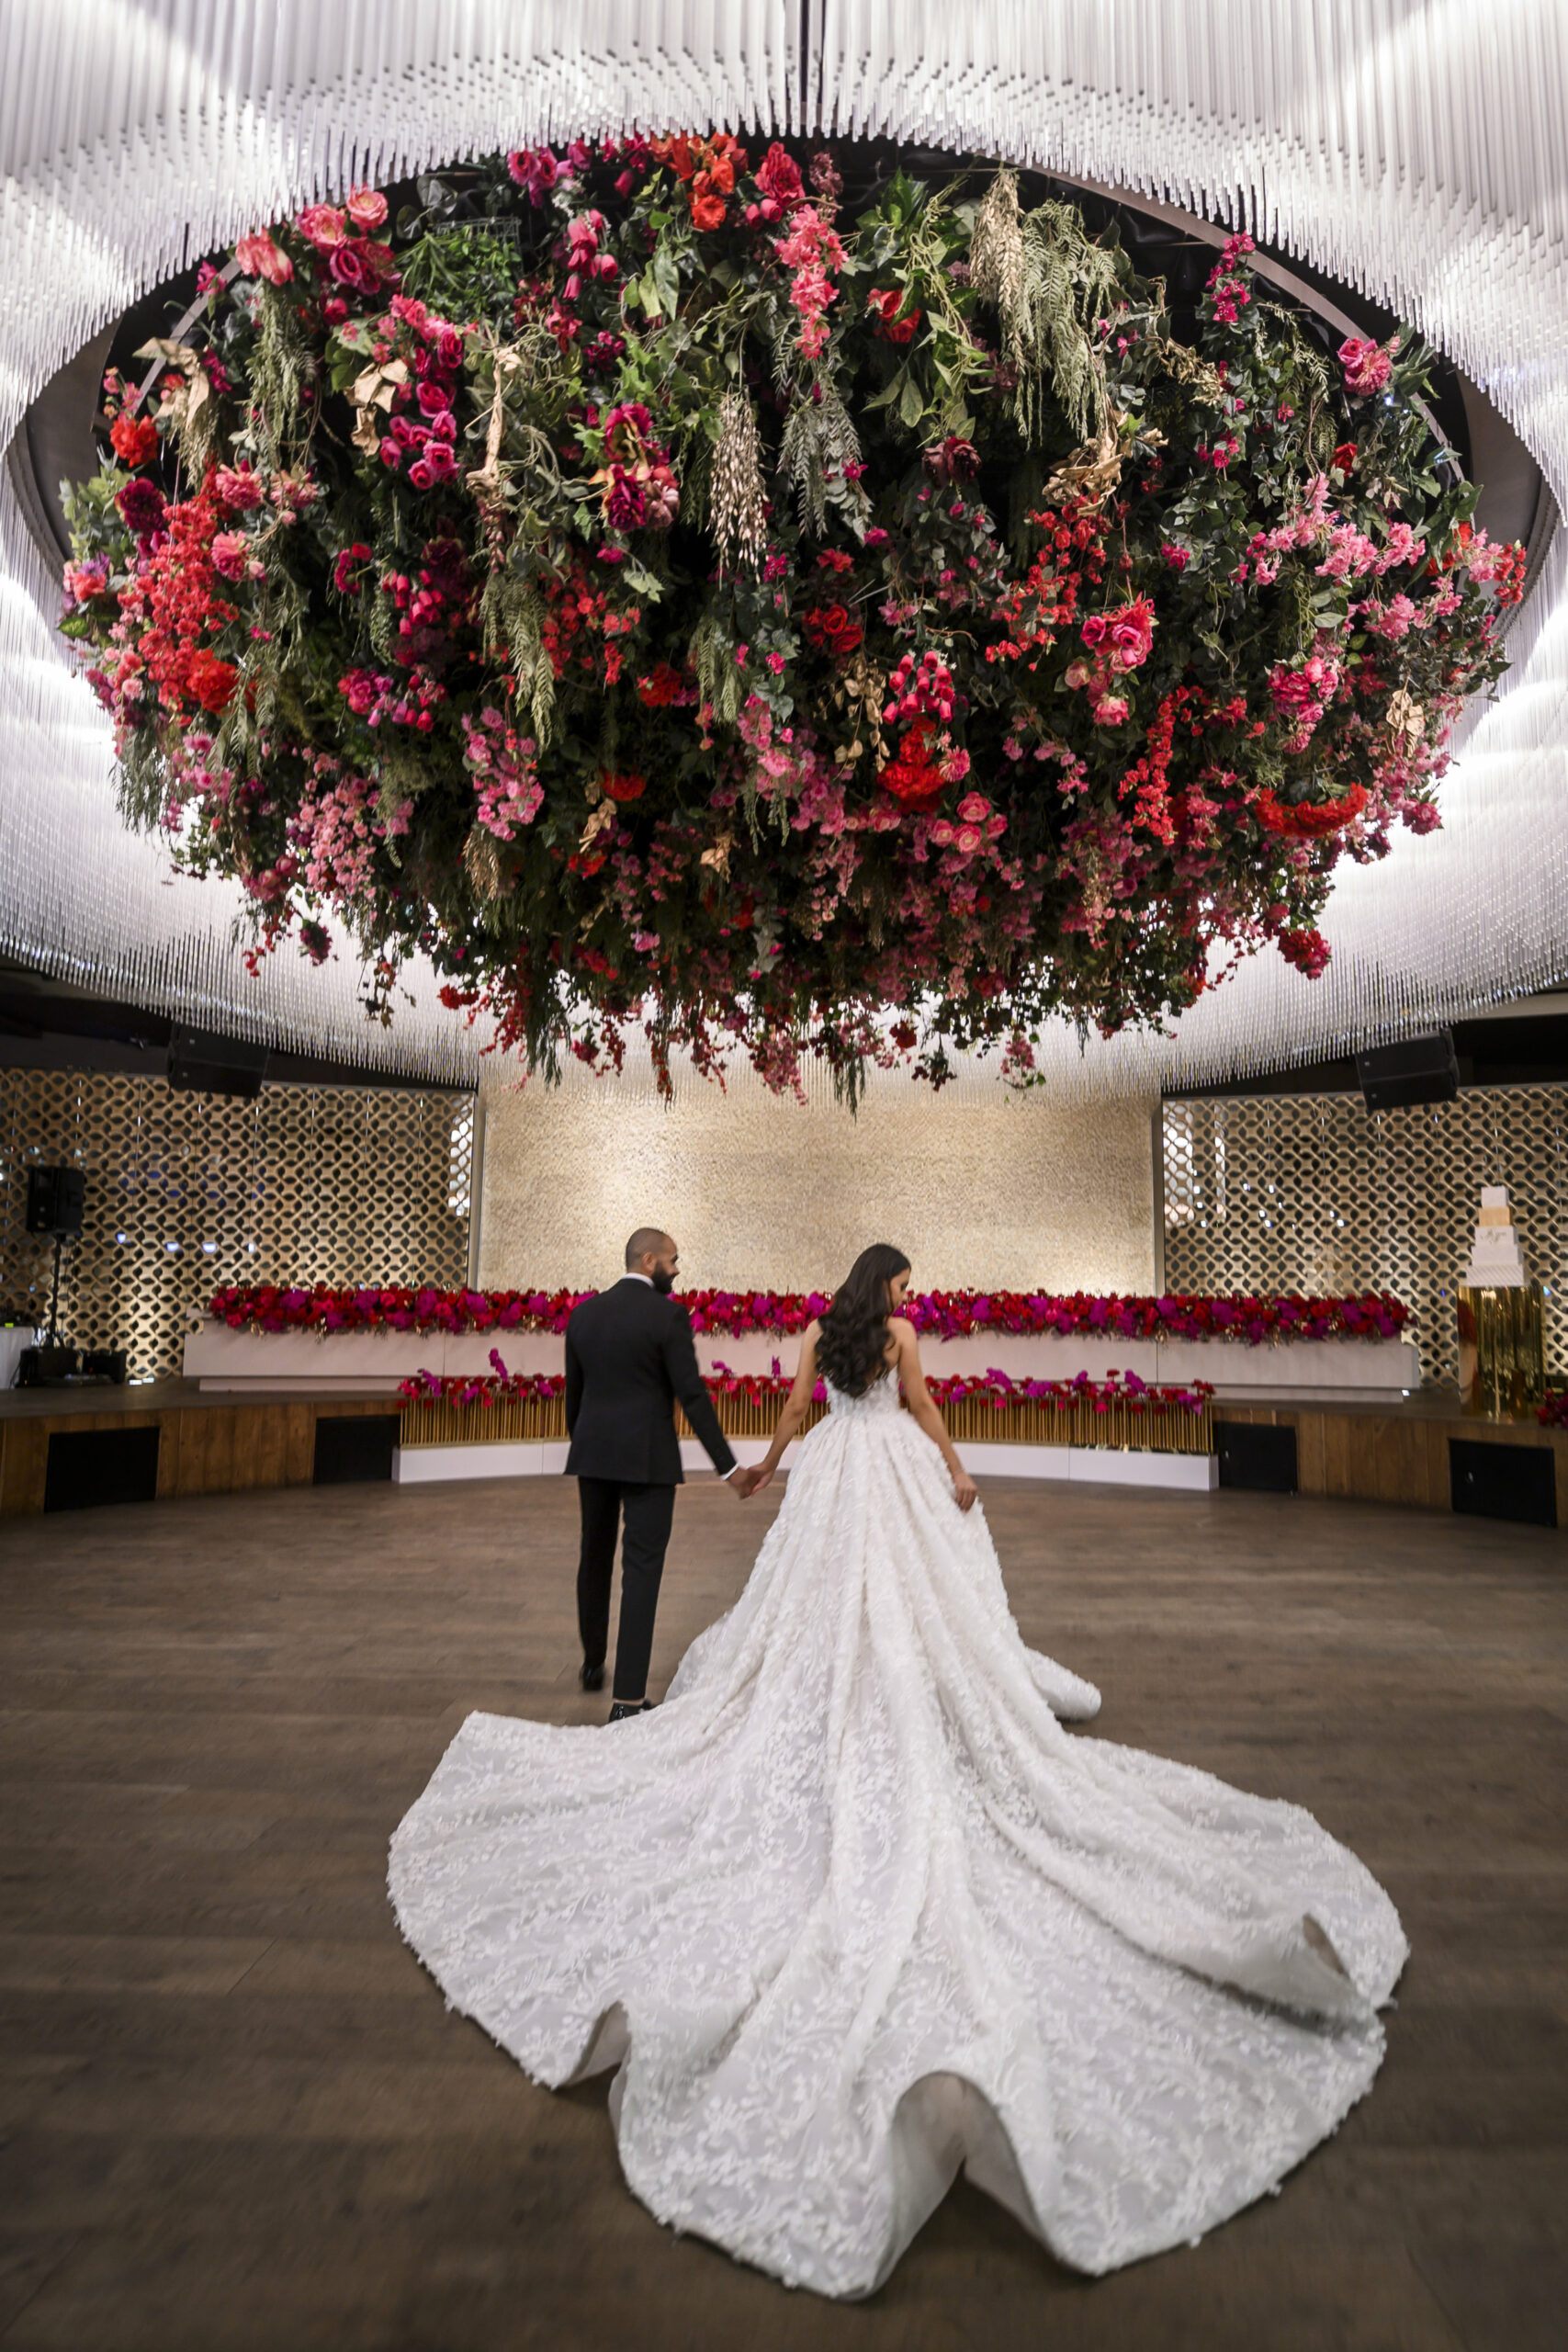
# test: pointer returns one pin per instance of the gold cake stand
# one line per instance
(1501, 1350)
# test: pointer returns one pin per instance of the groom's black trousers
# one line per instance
(649, 1513)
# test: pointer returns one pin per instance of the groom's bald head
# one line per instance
(648, 1241)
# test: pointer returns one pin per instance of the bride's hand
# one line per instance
(965, 1491)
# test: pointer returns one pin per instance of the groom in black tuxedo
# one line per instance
(628, 1357)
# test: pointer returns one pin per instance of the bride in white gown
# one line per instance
(850, 1910)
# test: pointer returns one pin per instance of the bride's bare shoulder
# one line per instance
(902, 1330)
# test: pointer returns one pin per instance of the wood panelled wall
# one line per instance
(202, 1449)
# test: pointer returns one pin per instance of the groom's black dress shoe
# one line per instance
(592, 1677)
(622, 1708)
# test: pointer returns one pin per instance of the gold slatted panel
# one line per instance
(188, 1191)
(970, 1421)
(1314, 1192)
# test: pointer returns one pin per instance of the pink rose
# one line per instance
(969, 839)
(1130, 634)
(1111, 710)
(535, 170)
(438, 464)
(259, 258)
(237, 486)
(366, 207)
(1368, 365)
(350, 266)
(322, 225)
(973, 809)
(231, 550)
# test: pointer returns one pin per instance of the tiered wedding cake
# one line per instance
(1497, 1262)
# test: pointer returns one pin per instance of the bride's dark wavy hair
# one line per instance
(851, 1346)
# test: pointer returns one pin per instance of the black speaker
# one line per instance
(88, 1466)
(1257, 1454)
(1503, 1481)
(203, 1063)
(56, 1197)
(1421, 1069)
(352, 1449)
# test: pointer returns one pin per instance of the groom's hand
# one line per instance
(746, 1482)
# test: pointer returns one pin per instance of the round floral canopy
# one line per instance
(657, 594)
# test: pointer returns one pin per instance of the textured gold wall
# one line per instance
(188, 1191)
(982, 1188)
(1314, 1192)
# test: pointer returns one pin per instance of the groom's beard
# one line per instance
(663, 1281)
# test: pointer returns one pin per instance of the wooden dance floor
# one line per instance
(237, 2113)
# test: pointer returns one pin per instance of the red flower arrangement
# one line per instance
(993, 1388)
(946, 1315)
(482, 1388)
(1309, 821)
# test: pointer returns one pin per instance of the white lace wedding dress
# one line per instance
(850, 1910)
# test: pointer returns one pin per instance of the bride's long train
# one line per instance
(850, 1910)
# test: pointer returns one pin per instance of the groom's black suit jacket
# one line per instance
(628, 1357)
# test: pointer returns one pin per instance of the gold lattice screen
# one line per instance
(187, 1192)
(1314, 1192)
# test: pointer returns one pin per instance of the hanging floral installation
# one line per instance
(657, 596)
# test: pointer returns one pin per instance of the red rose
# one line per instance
(831, 629)
(351, 267)
(142, 508)
(210, 680)
(952, 460)
(884, 304)
(1344, 457)
(779, 177)
(135, 439)
(624, 787)
(707, 209)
